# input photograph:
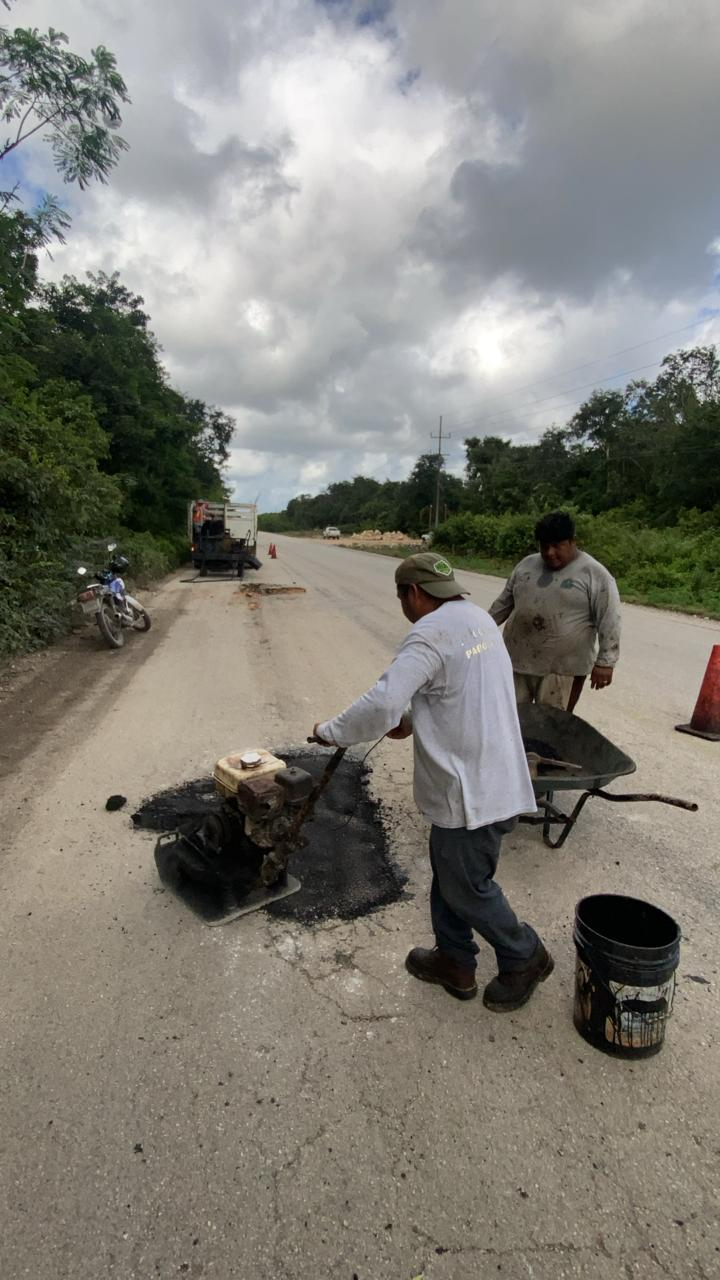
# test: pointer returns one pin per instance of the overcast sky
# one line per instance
(349, 217)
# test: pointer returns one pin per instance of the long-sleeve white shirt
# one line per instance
(560, 622)
(454, 671)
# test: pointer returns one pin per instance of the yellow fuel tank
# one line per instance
(240, 766)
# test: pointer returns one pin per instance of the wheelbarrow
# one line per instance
(568, 754)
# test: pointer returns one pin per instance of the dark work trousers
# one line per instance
(464, 896)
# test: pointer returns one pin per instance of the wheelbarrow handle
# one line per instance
(621, 796)
(550, 814)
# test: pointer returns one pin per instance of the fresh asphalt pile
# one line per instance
(346, 869)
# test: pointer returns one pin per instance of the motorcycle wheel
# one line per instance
(110, 628)
(143, 621)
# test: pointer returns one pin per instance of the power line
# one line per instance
(626, 457)
(532, 404)
(530, 443)
(671, 333)
(558, 408)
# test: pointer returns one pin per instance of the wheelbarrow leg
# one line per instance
(547, 800)
(570, 820)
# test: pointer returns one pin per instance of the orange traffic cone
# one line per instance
(272, 553)
(705, 721)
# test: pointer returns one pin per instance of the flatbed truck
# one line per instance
(223, 536)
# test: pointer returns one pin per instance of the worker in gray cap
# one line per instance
(451, 687)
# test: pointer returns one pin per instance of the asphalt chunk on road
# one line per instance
(346, 869)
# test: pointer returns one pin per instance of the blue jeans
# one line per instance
(464, 897)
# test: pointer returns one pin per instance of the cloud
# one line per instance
(614, 170)
(349, 218)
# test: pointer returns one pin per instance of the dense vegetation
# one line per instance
(640, 468)
(94, 442)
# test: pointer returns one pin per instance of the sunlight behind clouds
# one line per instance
(344, 226)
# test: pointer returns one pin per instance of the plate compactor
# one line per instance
(240, 851)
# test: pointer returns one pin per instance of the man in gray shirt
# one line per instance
(564, 618)
(470, 780)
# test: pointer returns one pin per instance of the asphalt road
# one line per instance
(270, 1101)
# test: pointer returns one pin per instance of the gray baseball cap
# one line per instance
(431, 572)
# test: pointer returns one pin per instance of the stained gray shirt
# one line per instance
(557, 620)
(453, 669)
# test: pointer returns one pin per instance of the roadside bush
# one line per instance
(38, 588)
(150, 557)
(674, 566)
(275, 522)
(509, 537)
(466, 534)
(34, 593)
(515, 537)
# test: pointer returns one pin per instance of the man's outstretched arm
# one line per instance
(381, 709)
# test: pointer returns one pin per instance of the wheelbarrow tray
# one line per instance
(576, 741)
(573, 740)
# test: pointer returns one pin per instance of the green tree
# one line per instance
(499, 474)
(53, 497)
(676, 440)
(163, 448)
(417, 494)
(71, 101)
(595, 434)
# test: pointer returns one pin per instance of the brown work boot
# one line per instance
(436, 966)
(512, 989)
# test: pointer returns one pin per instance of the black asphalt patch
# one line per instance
(168, 810)
(346, 870)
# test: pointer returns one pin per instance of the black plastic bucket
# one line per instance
(627, 954)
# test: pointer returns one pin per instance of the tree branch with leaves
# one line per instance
(74, 102)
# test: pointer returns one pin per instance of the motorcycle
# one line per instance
(110, 604)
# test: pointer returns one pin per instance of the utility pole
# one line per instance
(439, 438)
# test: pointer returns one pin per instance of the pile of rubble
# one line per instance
(374, 536)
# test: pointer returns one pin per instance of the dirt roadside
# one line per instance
(78, 672)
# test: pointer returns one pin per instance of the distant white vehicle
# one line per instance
(331, 532)
(426, 538)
